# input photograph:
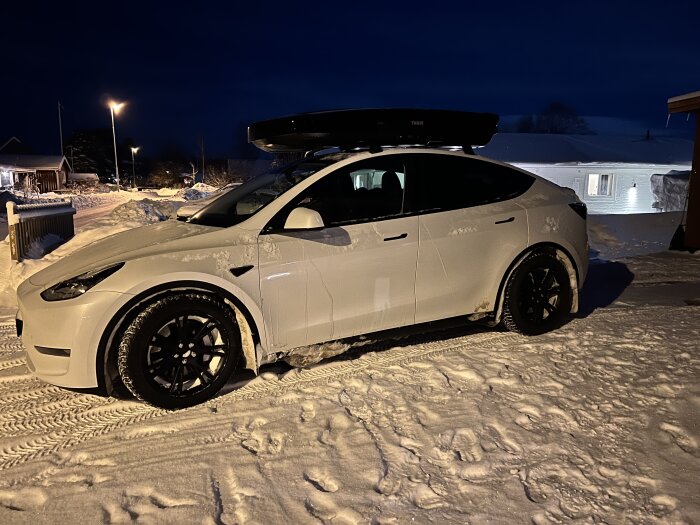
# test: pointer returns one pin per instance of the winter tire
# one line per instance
(537, 296)
(180, 350)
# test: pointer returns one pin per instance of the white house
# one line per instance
(610, 174)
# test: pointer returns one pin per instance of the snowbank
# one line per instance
(196, 192)
(616, 236)
(670, 190)
(82, 201)
(206, 188)
(145, 211)
(190, 194)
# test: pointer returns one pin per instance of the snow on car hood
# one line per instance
(117, 248)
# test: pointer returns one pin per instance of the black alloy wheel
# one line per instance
(180, 350)
(538, 295)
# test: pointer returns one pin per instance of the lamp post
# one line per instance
(134, 151)
(115, 107)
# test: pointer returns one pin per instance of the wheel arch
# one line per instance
(561, 253)
(106, 366)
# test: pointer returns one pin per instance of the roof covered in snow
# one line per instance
(31, 162)
(555, 149)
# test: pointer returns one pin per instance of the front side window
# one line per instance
(247, 199)
(449, 182)
(368, 190)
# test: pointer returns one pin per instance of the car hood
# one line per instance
(120, 247)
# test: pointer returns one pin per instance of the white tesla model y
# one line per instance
(391, 228)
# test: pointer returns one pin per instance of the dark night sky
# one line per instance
(211, 68)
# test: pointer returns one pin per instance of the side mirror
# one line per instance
(303, 219)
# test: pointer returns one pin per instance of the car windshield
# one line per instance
(247, 199)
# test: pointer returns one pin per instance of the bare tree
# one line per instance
(557, 118)
(216, 173)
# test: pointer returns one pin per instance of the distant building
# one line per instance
(46, 172)
(609, 174)
(13, 145)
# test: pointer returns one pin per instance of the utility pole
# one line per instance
(72, 164)
(60, 126)
(202, 143)
(115, 107)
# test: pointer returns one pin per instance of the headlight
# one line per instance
(78, 285)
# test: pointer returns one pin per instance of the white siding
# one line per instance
(631, 184)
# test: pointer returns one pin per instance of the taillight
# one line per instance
(580, 209)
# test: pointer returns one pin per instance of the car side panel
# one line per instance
(551, 220)
(338, 282)
(463, 255)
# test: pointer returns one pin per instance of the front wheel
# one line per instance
(180, 350)
(538, 295)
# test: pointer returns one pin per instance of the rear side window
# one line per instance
(446, 182)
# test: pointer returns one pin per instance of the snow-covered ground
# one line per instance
(596, 422)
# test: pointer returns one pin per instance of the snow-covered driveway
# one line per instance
(599, 421)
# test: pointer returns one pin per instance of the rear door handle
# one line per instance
(509, 219)
(396, 238)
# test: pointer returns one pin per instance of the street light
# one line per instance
(115, 108)
(134, 151)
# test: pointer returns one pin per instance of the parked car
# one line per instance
(337, 245)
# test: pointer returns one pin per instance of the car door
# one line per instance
(470, 230)
(353, 276)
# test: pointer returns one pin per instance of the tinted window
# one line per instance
(446, 182)
(368, 190)
(244, 201)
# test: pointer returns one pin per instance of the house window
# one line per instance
(599, 184)
(5, 179)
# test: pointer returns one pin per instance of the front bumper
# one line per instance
(62, 338)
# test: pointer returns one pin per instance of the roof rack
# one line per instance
(373, 128)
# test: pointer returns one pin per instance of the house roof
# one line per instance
(9, 141)
(556, 149)
(684, 103)
(32, 162)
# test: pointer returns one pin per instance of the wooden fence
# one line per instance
(38, 227)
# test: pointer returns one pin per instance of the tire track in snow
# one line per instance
(76, 428)
(12, 363)
(77, 418)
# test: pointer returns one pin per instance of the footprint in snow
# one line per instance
(264, 443)
(322, 507)
(463, 442)
(23, 499)
(308, 411)
(321, 480)
(680, 437)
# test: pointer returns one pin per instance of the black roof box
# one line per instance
(373, 128)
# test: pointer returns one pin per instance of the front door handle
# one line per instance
(509, 219)
(397, 237)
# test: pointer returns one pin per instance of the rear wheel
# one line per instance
(180, 350)
(538, 295)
